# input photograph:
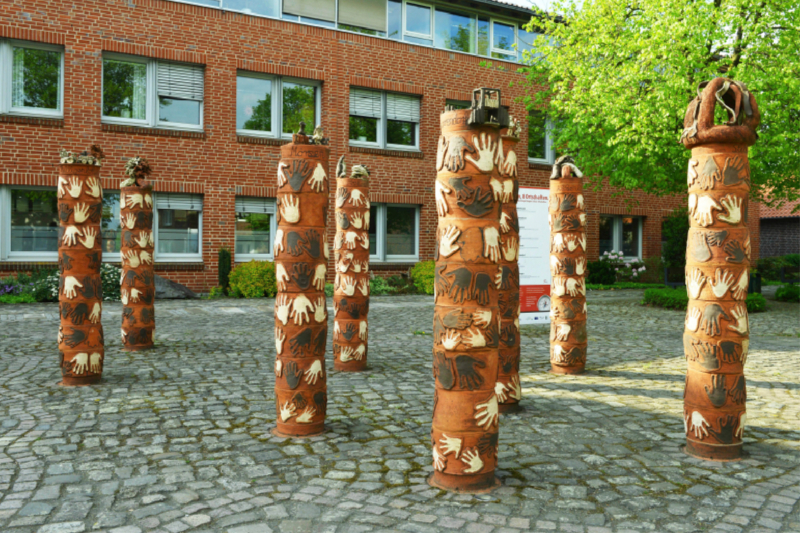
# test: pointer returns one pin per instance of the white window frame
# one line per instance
(493, 50)
(273, 229)
(617, 233)
(277, 103)
(405, 20)
(5, 229)
(380, 255)
(152, 119)
(383, 127)
(6, 82)
(550, 152)
(162, 257)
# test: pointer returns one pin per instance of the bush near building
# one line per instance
(254, 279)
(423, 276)
(42, 286)
(770, 267)
(679, 300)
(788, 293)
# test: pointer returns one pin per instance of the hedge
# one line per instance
(423, 276)
(678, 299)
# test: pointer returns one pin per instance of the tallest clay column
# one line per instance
(717, 334)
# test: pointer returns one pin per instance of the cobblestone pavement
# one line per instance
(178, 439)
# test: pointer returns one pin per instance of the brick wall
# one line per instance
(217, 163)
(780, 236)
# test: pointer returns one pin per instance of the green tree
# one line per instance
(261, 119)
(40, 70)
(618, 76)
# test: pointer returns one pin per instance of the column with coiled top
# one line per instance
(509, 390)
(301, 262)
(138, 289)
(567, 216)
(716, 337)
(80, 254)
(466, 327)
(351, 254)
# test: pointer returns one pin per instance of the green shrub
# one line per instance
(601, 273)
(770, 267)
(22, 298)
(329, 289)
(667, 298)
(255, 279)
(216, 292)
(756, 303)
(224, 266)
(674, 231)
(788, 293)
(402, 285)
(654, 271)
(423, 276)
(622, 285)
(379, 286)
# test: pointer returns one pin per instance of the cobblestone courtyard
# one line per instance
(178, 439)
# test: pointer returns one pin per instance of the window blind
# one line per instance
(402, 107)
(315, 9)
(188, 202)
(364, 103)
(248, 204)
(177, 80)
(367, 14)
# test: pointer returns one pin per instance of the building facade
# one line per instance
(780, 230)
(208, 90)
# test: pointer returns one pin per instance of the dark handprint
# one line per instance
(96, 212)
(321, 401)
(728, 351)
(509, 363)
(94, 261)
(508, 278)
(481, 205)
(463, 191)
(144, 220)
(442, 284)
(508, 335)
(698, 246)
(487, 444)
(734, 168)
(301, 342)
(468, 376)
(342, 221)
(312, 243)
(709, 174)
(443, 370)
(459, 288)
(64, 262)
(456, 319)
(301, 170)
(79, 313)
(568, 266)
(147, 316)
(293, 374)
(64, 212)
(74, 338)
(147, 296)
(341, 196)
(726, 427)
(718, 393)
(129, 278)
(706, 355)
(481, 292)
(127, 239)
(294, 243)
(716, 238)
(349, 331)
(65, 308)
(580, 332)
(92, 288)
(736, 252)
(301, 274)
(492, 336)
(299, 400)
(456, 146)
(128, 316)
(738, 392)
(569, 202)
(711, 316)
(320, 341)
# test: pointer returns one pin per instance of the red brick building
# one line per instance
(780, 230)
(207, 90)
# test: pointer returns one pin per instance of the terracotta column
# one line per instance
(509, 391)
(80, 254)
(717, 333)
(568, 269)
(351, 252)
(466, 327)
(138, 291)
(301, 265)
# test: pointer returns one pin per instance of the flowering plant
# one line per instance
(625, 270)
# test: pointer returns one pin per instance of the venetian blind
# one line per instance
(250, 204)
(365, 103)
(178, 80)
(188, 202)
(367, 14)
(402, 107)
(315, 9)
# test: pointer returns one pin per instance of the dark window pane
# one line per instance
(253, 233)
(364, 129)
(110, 227)
(267, 8)
(401, 133)
(124, 89)
(373, 230)
(299, 105)
(537, 135)
(178, 111)
(455, 31)
(606, 234)
(483, 36)
(253, 104)
(630, 237)
(458, 104)
(178, 231)
(418, 19)
(35, 78)
(401, 235)
(365, 31)
(34, 221)
(395, 19)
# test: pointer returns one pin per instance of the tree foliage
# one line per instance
(615, 78)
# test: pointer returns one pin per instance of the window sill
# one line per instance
(53, 122)
(159, 132)
(255, 139)
(408, 154)
(383, 266)
(539, 164)
(12, 265)
(166, 265)
(243, 258)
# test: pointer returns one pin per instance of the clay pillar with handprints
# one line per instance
(567, 217)
(138, 291)
(466, 324)
(351, 254)
(301, 266)
(508, 386)
(80, 254)
(717, 334)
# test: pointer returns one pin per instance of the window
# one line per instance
(540, 149)
(525, 42)
(621, 233)
(395, 19)
(363, 16)
(419, 24)
(458, 104)
(317, 12)
(385, 120)
(504, 41)
(150, 93)
(255, 227)
(31, 79)
(455, 31)
(178, 225)
(394, 233)
(273, 106)
(111, 232)
(29, 223)
(267, 8)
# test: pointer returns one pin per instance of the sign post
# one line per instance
(534, 255)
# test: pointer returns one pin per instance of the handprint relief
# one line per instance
(742, 285)
(315, 372)
(733, 208)
(439, 460)
(357, 198)
(71, 234)
(735, 171)
(307, 416)
(287, 411)
(500, 391)
(701, 209)
(300, 309)
(693, 319)
(742, 326)
(709, 175)
(510, 166)
(691, 174)
(321, 311)
(723, 282)
(88, 237)
(74, 189)
(95, 363)
(70, 285)
(698, 425)
(80, 364)
(473, 461)
(318, 179)
(290, 209)
(491, 244)
(711, 318)
(93, 188)
(282, 307)
(447, 242)
(280, 338)
(453, 151)
(450, 445)
(486, 153)
(511, 249)
(487, 413)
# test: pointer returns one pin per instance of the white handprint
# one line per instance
(132, 258)
(146, 258)
(691, 175)
(314, 372)
(447, 241)
(80, 364)
(510, 165)
(319, 276)
(277, 247)
(438, 460)
(733, 204)
(558, 243)
(487, 413)
(70, 283)
(581, 204)
(740, 290)
(318, 178)
(281, 277)
(345, 354)
(573, 242)
(693, 319)
(508, 190)
(740, 430)
(337, 330)
(486, 153)
(307, 416)
(300, 309)
(701, 209)
(357, 220)
(357, 198)
(724, 280)
(148, 200)
(580, 266)
(451, 339)
(504, 220)
(350, 239)
(81, 213)
(500, 391)
(282, 307)
(348, 285)
(575, 287)
(473, 461)
(87, 240)
(562, 333)
(280, 337)
(558, 287)
(129, 221)
(143, 239)
(740, 315)
(364, 240)
(290, 209)
(95, 362)
(281, 176)
(287, 411)
(321, 310)
(359, 352)
(482, 318)
(94, 318)
(62, 185)
(135, 199)
(698, 425)
(362, 330)
(71, 234)
(511, 250)
(135, 293)
(278, 368)
(516, 389)
(75, 187)
(94, 188)
(450, 445)
(695, 282)
(363, 287)
(123, 296)
(441, 201)
(491, 244)
(474, 339)
(497, 188)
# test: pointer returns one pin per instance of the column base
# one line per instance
(350, 366)
(295, 432)
(79, 382)
(138, 348)
(710, 452)
(514, 407)
(555, 369)
(474, 484)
